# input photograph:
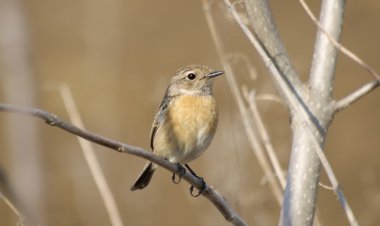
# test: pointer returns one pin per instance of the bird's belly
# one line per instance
(188, 129)
(192, 144)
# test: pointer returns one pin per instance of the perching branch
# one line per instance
(210, 193)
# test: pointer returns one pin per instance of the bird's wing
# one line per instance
(159, 118)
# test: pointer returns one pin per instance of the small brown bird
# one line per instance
(185, 122)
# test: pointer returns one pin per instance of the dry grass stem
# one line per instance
(91, 159)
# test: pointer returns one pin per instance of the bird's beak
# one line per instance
(215, 73)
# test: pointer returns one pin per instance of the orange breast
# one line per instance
(189, 127)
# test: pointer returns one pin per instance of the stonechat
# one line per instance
(185, 122)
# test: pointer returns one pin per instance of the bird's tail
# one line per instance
(145, 177)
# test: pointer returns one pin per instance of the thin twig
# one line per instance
(342, 48)
(326, 186)
(298, 107)
(250, 97)
(269, 97)
(355, 96)
(210, 193)
(91, 159)
(14, 209)
(251, 133)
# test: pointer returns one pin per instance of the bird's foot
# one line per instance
(181, 171)
(203, 183)
(201, 189)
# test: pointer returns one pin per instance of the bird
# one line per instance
(185, 122)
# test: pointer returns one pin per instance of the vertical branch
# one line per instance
(304, 167)
(325, 52)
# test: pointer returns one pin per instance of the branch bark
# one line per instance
(210, 193)
(304, 166)
(264, 27)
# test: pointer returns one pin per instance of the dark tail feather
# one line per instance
(145, 177)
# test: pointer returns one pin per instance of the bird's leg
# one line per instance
(203, 186)
(181, 171)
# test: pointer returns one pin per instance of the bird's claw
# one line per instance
(181, 171)
(202, 188)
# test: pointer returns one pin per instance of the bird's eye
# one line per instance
(191, 76)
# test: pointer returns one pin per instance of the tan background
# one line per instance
(117, 56)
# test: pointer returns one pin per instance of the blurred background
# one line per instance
(117, 58)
